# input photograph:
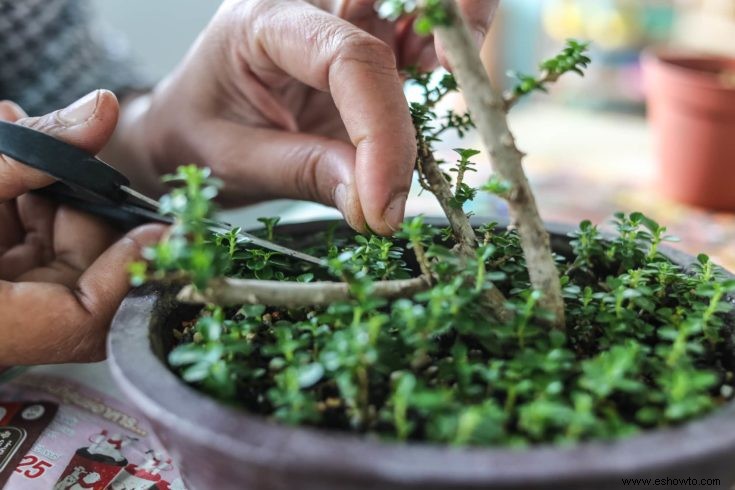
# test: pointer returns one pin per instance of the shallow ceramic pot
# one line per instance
(220, 447)
(691, 106)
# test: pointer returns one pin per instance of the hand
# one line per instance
(62, 273)
(296, 100)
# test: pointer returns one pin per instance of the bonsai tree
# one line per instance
(462, 334)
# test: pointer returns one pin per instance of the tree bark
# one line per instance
(233, 292)
(441, 188)
(488, 111)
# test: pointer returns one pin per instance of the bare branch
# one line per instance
(233, 292)
(488, 109)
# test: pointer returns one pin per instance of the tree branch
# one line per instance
(233, 292)
(460, 223)
(421, 258)
(511, 98)
(487, 106)
(442, 189)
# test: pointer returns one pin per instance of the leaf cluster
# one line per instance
(189, 246)
(573, 58)
(429, 13)
(645, 347)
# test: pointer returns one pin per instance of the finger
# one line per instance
(87, 123)
(11, 229)
(71, 224)
(360, 73)
(36, 249)
(479, 16)
(354, 9)
(414, 50)
(69, 257)
(72, 324)
(103, 286)
(10, 225)
(279, 164)
(10, 111)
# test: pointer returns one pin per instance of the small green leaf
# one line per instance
(310, 375)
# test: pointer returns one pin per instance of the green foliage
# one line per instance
(189, 246)
(573, 58)
(643, 347)
(429, 124)
(270, 226)
(429, 13)
(462, 191)
(645, 344)
(379, 257)
(496, 185)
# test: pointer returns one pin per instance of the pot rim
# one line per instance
(670, 61)
(296, 449)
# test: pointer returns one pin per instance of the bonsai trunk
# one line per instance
(488, 109)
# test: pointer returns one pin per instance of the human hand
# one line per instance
(287, 99)
(62, 273)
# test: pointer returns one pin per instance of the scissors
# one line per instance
(85, 182)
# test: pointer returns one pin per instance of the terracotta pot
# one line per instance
(691, 107)
(220, 447)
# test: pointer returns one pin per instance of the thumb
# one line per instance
(87, 124)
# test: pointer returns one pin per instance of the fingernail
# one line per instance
(342, 201)
(393, 215)
(341, 198)
(80, 111)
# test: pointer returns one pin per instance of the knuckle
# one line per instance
(238, 23)
(258, 16)
(91, 348)
(82, 337)
(49, 123)
(85, 303)
(240, 9)
(358, 46)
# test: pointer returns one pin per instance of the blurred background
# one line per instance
(591, 148)
(157, 32)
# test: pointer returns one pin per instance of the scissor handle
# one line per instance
(74, 167)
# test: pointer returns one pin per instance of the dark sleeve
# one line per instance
(51, 54)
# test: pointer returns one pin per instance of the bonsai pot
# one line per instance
(222, 447)
(691, 105)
